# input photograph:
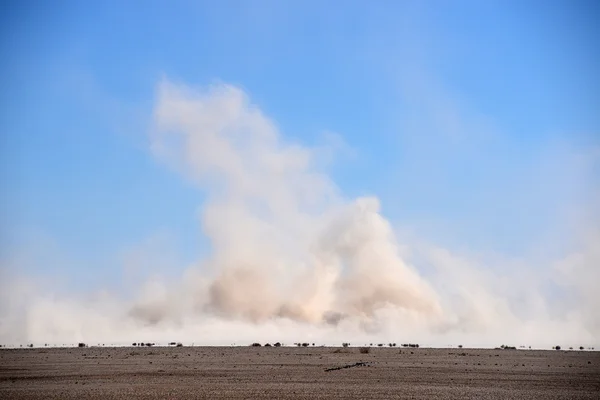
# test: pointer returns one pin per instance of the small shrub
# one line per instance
(256, 345)
(172, 344)
(179, 345)
(81, 345)
(380, 345)
(304, 344)
(557, 347)
(134, 344)
(364, 350)
(277, 344)
(460, 346)
(580, 347)
(268, 345)
(337, 351)
(345, 344)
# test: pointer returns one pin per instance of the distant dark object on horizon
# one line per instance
(305, 344)
(268, 345)
(345, 344)
(172, 344)
(580, 347)
(256, 345)
(82, 345)
(556, 347)
(460, 346)
(277, 344)
(134, 344)
(179, 345)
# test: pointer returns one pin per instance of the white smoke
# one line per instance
(292, 259)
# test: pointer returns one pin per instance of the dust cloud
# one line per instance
(293, 259)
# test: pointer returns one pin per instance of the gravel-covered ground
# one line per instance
(291, 372)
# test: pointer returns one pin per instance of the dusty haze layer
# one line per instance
(293, 259)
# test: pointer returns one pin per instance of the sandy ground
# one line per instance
(291, 372)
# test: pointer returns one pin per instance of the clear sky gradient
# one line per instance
(476, 123)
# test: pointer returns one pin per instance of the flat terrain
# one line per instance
(291, 372)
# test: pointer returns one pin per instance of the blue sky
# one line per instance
(475, 123)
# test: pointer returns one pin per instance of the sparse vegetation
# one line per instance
(277, 344)
(256, 345)
(268, 345)
(345, 344)
(79, 345)
(337, 351)
(179, 345)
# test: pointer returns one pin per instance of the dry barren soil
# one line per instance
(291, 372)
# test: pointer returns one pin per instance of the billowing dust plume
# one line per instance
(285, 244)
(292, 259)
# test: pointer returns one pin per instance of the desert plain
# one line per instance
(297, 373)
